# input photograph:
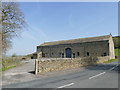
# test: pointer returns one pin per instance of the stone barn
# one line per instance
(100, 46)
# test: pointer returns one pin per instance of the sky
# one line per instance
(54, 21)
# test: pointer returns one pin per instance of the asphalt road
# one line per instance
(100, 76)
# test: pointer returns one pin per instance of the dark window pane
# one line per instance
(78, 54)
(105, 54)
(62, 55)
(73, 55)
(87, 53)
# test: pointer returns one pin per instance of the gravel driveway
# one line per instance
(22, 73)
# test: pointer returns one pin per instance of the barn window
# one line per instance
(73, 55)
(105, 54)
(78, 53)
(87, 53)
(62, 55)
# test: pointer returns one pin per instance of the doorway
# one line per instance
(68, 52)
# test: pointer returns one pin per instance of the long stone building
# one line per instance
(100, 46)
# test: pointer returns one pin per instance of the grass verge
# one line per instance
(112, 60)
(4, 69)
(10, 62)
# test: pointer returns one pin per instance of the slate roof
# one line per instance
(80, 40)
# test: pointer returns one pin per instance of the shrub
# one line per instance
(14, 55)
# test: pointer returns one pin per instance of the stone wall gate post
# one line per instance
(36, 66)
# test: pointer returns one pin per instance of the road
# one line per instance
(100, 76)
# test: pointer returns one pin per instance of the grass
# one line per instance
(112, 60)
(117, 52)
(9, 62)
(4, 69)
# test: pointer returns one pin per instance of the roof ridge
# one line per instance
(58, 42)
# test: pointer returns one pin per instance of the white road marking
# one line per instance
(112, 68)
(66, 85)
(97, 75)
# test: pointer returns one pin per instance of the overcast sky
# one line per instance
(63, 21)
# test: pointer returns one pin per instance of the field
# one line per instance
(10, 62)
(117, 52)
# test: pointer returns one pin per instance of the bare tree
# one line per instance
(13, 21)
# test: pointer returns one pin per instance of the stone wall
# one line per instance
(96, 48)
(48, 65)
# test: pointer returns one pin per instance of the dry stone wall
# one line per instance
(49, 65)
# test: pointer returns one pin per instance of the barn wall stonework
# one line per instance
(78, 49)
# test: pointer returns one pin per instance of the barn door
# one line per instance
(68, 52)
